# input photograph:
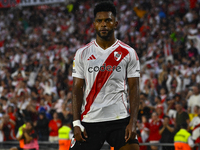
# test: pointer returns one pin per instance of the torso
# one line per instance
(105, 73)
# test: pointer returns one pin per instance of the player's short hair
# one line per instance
(105, 6)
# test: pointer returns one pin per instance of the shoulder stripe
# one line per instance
(116, 43)
(96, 44)
(136, 55)
(86, 45)
(124, 44)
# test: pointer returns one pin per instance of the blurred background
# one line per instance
(38, 40)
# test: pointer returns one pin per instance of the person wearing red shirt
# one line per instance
(10, 112)
(159, 110)
(155, 124)
(144, 28)
(54, 125)
(141, 141)
(144, 129)
(159, 107)
(8, 127)
(143, 134)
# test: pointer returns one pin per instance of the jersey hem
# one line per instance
(133, 76)
(106, 120)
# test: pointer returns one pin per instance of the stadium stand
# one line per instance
(38, 43)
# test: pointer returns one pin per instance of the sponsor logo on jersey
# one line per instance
(104, 68)
(117, 55)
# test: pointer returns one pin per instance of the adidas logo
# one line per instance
(91, 57)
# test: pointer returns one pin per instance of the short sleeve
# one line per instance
(78, 68)
(133, 69)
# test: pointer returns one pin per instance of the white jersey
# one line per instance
(105, 73)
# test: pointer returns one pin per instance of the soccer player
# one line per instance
(103, 70)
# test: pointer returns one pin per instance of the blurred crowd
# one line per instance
(38, 43)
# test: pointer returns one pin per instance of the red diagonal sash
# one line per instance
(196, 127)
(102, 77)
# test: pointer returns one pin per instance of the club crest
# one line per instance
(117, 55)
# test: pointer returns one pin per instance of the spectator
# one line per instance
(194, 99)
(10, 112)
(195, 120)
(1, 109)
(19, 133)
(167, 133)
(140, 141)
(186, 72)
(192, 115)
(192, 51)
(183, 138)
(144, 129)
(159, 107)
(143, 110)
(162, 74)
(181, 116)
(171, 103)
(65, 134)
(8, 127)
(154, 136)
(196, 38)
(42, 127)
(43, 106)
(175, 81)
(22, 103)
(29, 136)
(58, 105)
(5, 103)
(195, 124)
(1, 132)
(54, 126)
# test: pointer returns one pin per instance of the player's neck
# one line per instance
(105, 43)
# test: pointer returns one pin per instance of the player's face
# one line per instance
(105, 24)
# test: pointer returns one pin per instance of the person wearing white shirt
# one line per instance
(194, 99)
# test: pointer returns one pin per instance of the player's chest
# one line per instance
(105, 62)
(108, 58)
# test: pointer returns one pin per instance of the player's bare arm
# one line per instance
(134, 107)
(77, 99)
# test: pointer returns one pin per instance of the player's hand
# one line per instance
(78, 134)
(130, 132)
